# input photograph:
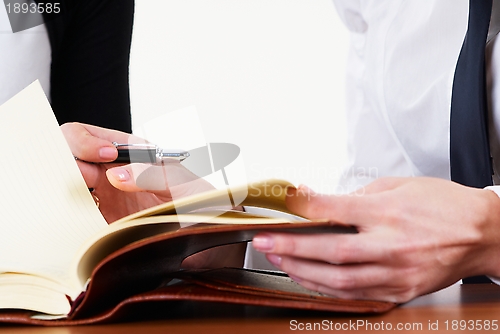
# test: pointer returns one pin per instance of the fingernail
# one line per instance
(274, 259)
(107, 153)
(119, 174)
(301, 190)
(305, 189)
(263, 243)
(295, 278)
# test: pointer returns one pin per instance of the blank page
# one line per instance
(46, 210)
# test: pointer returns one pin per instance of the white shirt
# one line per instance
(400, 73)
(401, 66)
(25, 56)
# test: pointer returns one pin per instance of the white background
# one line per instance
(266, 75)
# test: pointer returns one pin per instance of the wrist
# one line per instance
(492, 260)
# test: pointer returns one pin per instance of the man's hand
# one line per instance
(416, 235)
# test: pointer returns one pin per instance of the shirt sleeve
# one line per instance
(496, 190)
(90, 44)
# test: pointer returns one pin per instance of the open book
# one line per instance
(61, 259)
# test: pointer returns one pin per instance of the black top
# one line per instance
(90, 43)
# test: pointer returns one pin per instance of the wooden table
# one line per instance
(452, 308)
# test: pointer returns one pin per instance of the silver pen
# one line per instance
(147, 153)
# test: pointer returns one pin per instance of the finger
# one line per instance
(366, 281)
(375, 293)
(93, 143)
(89, 143)
(327, 247)
(339, 277)
(138, 177)
(349, 209)
(382, 184)
(170, 180)
(103, 133)
(114, 135)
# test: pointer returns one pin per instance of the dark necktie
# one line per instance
(469, 147)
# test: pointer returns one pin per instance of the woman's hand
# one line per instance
(416, 235)
(126, 189)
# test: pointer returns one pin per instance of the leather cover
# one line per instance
(148, 271)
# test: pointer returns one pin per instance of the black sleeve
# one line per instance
(90, 43)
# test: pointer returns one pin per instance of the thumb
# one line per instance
(138, 177)
(169, 181)
(350, 209)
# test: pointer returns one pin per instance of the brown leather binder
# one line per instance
(148, 271)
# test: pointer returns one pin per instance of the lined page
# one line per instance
(46, 210)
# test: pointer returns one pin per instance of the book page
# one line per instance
(269, 194)
(32, 293)
(46, 209)
(116, 236)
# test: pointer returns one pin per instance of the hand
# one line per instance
(126, 189)
(123, 190)
(416, 235)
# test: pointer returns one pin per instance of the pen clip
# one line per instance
(144, 146)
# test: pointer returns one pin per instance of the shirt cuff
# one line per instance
(496, 190)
